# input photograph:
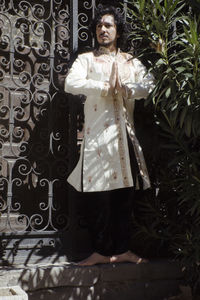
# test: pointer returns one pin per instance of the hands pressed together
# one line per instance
(116, 86)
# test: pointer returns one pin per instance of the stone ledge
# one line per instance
(34, 277)
(49, 276)
(156, 280)
(131, 290)
(156, 270)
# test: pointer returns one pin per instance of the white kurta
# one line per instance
(104, 162)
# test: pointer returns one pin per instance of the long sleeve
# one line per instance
(141, 84)
(77, 81)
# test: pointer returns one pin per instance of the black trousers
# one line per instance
(108, 217)
(108, 214)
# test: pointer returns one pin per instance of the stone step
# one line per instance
(155, 280)
(12, 293)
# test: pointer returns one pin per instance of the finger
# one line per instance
(118, 84)
(112, 79)
(118, 76)
(113, 70)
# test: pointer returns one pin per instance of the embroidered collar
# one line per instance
(103, 50)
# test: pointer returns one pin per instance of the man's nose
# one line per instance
(103, 28)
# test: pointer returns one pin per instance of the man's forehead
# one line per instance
(109, 19)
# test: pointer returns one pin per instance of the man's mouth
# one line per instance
(103, 36)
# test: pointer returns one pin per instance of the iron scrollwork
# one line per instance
(34, 55)
(40, 125)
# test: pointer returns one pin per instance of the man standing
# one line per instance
(111, 164)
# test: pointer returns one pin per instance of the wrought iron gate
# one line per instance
(40, 124)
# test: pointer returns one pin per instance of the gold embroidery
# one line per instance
(99, 152)
(106, 125)
(115, 175)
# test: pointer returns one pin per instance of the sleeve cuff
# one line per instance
(128, 92)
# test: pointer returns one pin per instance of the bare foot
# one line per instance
(128, 257)
(93, 259)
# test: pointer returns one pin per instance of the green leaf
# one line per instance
(182, 116)
(158, 6)
(142, 5)
(188, 125)
(196, 178)
(180, 69)
(168, 92)
(179, 9)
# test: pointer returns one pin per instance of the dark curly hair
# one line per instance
(122, 26)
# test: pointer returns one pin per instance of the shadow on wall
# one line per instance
(43, 223)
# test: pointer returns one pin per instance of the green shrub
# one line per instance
(166, 37)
